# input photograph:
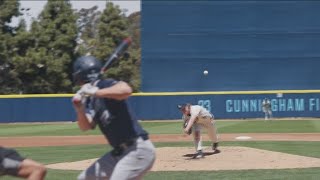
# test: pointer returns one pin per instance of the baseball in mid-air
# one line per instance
(205, 72)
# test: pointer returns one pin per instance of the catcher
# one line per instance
(195, 117)
(13, 164)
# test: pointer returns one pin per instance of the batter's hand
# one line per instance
(88, 89)
(78, 100)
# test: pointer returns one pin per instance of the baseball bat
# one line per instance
(122, 47)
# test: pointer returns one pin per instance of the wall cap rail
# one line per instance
(173, 93)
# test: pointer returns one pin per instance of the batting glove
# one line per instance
(88, 89)
(78, 99)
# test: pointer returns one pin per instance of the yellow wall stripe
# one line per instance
(35, 95)
(174, 93)
(226, 92)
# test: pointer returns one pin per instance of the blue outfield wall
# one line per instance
(35, 109)
(228, 106)
(245, 45)
(163, 106)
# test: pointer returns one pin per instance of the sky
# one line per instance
(37, 6)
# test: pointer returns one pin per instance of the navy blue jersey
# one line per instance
(115, 118)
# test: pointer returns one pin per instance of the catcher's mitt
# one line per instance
(185, 124)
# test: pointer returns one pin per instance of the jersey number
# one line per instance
(206, 104)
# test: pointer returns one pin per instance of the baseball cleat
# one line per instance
(214, 146)
(198, 154)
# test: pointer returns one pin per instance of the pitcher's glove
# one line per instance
(185, 124)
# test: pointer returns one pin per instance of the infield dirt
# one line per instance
(178, 158)
(230, 158)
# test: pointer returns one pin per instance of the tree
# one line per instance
(8, 76)
(112, 29)
(9, 81)
(46, 66)
(135, 50)
(88, 20)
(8, 9)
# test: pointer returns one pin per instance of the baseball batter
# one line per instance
(198, 117)
(103, 102)
(13, 164)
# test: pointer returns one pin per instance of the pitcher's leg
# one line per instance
(212, 133)
(209, 123)
(212, 130)
(197, 140)
(197, 137)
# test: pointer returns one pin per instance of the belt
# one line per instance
(118, 150)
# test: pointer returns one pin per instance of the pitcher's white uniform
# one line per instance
(204, 119)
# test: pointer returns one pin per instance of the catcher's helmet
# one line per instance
(86, 69)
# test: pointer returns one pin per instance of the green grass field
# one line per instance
(167, 127)
(48, 155)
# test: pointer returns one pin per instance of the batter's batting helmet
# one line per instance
(86, 69)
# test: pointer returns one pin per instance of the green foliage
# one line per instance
(39, 60)
(8, 9)
(88, 20)
(8, 76)
(112, 29)
(46, 65)
(135, 50)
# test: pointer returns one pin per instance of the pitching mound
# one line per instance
(230, 158)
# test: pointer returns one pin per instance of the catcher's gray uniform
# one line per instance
(13, 164)
(10, 161)
(204, 119)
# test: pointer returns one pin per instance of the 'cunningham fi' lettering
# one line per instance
(254, 105)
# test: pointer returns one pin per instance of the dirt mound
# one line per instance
(230, 158)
